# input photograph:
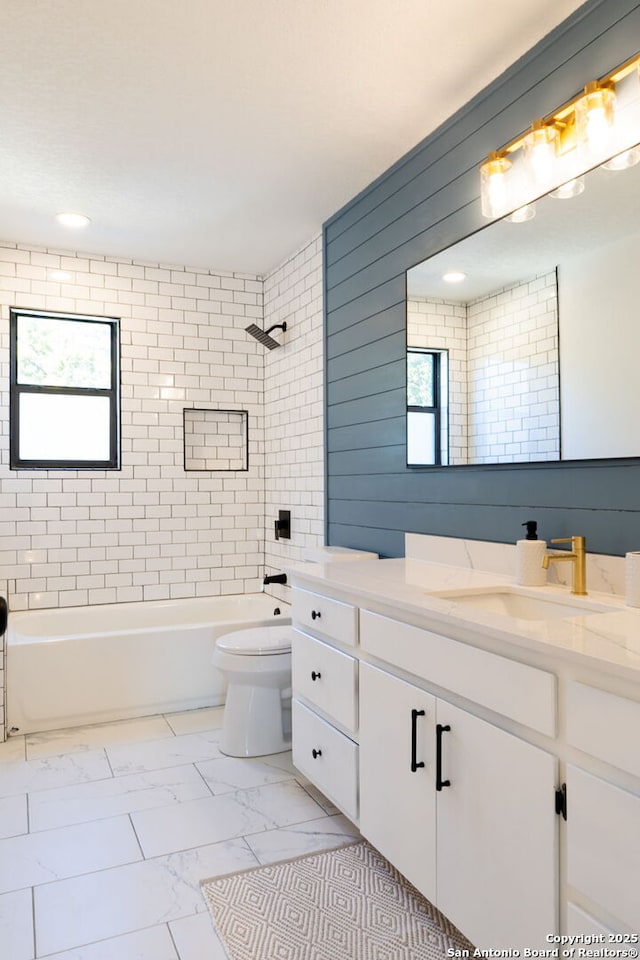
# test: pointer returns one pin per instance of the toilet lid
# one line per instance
(257, 641)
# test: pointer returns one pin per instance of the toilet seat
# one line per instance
(257, 641)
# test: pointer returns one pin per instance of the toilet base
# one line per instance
(255, 721)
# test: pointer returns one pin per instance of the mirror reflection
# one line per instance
(533, 354)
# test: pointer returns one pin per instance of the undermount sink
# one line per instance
(511, 602)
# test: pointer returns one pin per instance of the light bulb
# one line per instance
(594, 117)
(494, 185)
(540, 152)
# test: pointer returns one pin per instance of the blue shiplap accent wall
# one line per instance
(424, 203)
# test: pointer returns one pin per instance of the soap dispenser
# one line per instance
(529, 554)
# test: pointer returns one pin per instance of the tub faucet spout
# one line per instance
(577, 556)
(275, 578)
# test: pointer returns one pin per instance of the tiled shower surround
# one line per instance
(152, 530)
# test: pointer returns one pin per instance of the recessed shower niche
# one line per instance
(216, 439)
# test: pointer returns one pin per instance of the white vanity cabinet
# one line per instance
(393, 700)
(325, 697)
(463, 809)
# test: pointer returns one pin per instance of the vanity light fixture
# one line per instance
(454, 276)
(557, 149)
(74, 220)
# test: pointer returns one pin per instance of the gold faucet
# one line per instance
(577, 555)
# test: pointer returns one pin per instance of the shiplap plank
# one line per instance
(365, 436)
(380, 406)
(392, 320)
(369, 383)
(368, 357)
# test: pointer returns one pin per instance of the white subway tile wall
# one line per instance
(294, 432)
(514, 398)
(215, 440)
(437, 325)
(503, 363)
(152, 530)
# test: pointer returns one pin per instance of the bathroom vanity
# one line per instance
(483, 736)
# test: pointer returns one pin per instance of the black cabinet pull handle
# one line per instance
(440, 783)
(315, 614)
(315, 676)
(414, 739)
(316, 753)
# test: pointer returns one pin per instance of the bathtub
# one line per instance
(79, 665)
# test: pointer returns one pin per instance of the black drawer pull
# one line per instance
(316, 753)
(315, 614)
(414, 738)
(315, 676)
(440, 783)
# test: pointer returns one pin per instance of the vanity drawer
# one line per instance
(515, 690)
(327, 678)
(604, 726)
(325, 617)
(327, 757)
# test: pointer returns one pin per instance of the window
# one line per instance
(65, 391)
(427, 405)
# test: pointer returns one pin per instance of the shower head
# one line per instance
(262, 336)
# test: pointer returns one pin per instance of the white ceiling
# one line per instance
(222, 133)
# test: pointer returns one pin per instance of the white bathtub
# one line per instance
(79, 665)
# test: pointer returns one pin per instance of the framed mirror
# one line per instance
(534, 354)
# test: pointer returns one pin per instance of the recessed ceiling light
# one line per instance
(454, 276)
(72, 219)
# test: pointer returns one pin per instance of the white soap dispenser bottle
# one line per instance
(529, 554)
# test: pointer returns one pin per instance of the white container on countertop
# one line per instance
(529, 554)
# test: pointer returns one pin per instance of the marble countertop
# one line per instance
(608, 640)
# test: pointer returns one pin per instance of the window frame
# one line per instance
(16, 390)
(437, 410)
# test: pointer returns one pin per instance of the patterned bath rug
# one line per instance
(344, 904)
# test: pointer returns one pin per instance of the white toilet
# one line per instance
(257, 666)
(257, 714)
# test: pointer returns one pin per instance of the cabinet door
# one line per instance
(397, 796)
(603, 845)
(496, 834)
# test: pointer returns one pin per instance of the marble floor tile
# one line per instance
(329, 808)
(211, 820)
(37, 858)
(157, 754)
(23, 776)
(78, 739)
(302, 838)
(124, 899)
(109, 798)
(154, 943)
(13, 748)
(16, 925)
(13, 816)
(227, 774)
(196, 721)
(196, 938)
